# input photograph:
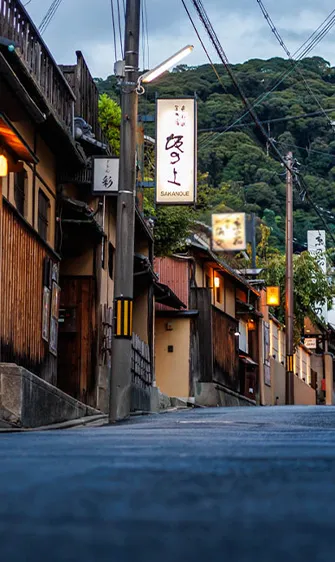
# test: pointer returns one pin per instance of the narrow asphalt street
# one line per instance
(251, 484)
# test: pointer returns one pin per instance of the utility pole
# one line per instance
(253, 240)
(120, 379)
(289, 315)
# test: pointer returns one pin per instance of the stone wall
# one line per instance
(28, 401)
(213, 395)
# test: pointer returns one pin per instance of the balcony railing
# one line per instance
(16, 25)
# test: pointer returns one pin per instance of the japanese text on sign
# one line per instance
(175, 150)
(228, 232)
(106, 175)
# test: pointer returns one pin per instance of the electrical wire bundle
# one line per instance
(49, 16)
(307, 46)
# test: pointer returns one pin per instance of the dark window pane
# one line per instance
(110, 260)
(43, 214)
(19, 190)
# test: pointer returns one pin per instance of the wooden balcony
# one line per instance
(40, 66)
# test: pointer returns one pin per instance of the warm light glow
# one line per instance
(166, 65)
(273, 296)
(228, 232)
(3, 166)
(216, 282)
(251, 325)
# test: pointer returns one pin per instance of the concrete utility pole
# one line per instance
(120, 381)
(289, 315)
(253, 240)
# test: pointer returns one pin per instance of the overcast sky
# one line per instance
(86, 25)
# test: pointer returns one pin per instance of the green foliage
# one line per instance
(110, 121)
(240, 173)
(173, 224)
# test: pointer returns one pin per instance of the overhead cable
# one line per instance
(326, 24)
(282, 44)
(49, 16)
(301, 182)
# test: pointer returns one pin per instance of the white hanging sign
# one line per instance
(105, 175)
(228, 232)
(176, 163)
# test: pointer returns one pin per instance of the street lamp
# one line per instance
(166, 65)
(120, 380)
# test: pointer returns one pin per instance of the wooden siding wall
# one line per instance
(201, 337)
(174, 273)
(225, 352)
(22, 293)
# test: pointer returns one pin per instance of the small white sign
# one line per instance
(176, 167)
(228, 232)
(105, 175)
(310, 343)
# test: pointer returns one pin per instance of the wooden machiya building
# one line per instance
(211, 351)
(36, 126)
(57, 237)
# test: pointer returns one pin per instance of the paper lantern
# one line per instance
(273, 296)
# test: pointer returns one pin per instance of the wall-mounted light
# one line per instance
(251, 325)
(234, 331)
(3, 166)
(273, 296)
(216, 282)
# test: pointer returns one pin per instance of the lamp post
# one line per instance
(120, 376)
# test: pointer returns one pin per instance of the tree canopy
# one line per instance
(242, 173)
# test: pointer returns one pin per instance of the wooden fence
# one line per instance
(141, 364)
(21, 294)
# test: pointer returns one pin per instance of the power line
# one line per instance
(49, 16)
(282, 44)
(304, 190)
(270, 121)
(203, 46)
(310, 42)
(146, 31)
(114, 30)
(120, 27)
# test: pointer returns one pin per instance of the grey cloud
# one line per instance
(86, 26)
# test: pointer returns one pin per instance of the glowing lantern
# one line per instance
(3, 166)
(273, 296)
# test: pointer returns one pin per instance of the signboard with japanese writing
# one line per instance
(176, 164)
(228, 232)
(105, 176)
(310, 343)
(316, 243)
(266, 351)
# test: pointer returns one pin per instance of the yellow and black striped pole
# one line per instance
(123, 318)
(289, 363)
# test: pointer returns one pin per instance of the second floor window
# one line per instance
(43, 214)
(20, 181)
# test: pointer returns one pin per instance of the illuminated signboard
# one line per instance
(228, 232)
(176, 165)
